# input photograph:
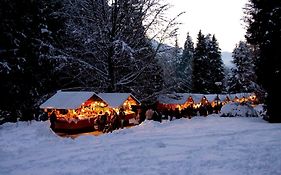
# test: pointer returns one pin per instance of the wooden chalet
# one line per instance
(240, 97)
(198, 99)
(75, 110)
(212, 99)
(78, 111)
(184, 100)
(117, 101)
(173, 101)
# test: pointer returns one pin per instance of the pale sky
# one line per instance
(219, 17)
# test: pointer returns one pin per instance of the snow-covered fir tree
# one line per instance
(243, 75)
(173, 81)
(184, 67)
(208, 70)
(200, 66)
(216, 67)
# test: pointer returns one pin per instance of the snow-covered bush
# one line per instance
(260, 109)
(235, 109)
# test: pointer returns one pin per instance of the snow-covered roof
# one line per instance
(211, 97)
(197, 97)
(181, 98)
(239, 95)
(223, 97)
(176, 98)
(67, 100)
(116, 100)
(231, 96)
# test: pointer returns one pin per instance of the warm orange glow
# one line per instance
(204, 101)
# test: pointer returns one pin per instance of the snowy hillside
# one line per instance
(227, 59)
(210, 145)
(166, 53)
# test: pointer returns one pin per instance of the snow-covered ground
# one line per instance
(201, 145)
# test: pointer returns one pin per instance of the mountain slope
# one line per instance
(227, 59)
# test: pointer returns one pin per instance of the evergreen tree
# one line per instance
(243, 75)
(177, 52)
(175, 61)
(184, 67)
(208, 70)
(199, 65)
(216, 69)
(264, 32)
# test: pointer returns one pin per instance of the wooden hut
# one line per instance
(198, 100)
(75, 110)
(239, 97)
(121, 100)
(213, 99)
(213, 102)
(173, 101)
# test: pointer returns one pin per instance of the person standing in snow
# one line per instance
(149, 114)
(177, 113)
(122, 117)
(138, 116)
(114, 120)
(157, 116)
(53, 119)
(103, 119)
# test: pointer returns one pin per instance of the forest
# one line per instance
(119, 46)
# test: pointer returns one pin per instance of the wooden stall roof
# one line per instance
(224, 97)
(212, 97)
(197, 98)
(176, 98)
(67, 100)
(239, 95)
(116, 100)
(181, 98)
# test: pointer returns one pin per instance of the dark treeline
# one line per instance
(29, 34)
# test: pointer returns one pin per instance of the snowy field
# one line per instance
(203, 145)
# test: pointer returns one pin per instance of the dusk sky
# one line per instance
(220, 17)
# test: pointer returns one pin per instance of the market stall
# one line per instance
(74, 110)
(126, 101)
